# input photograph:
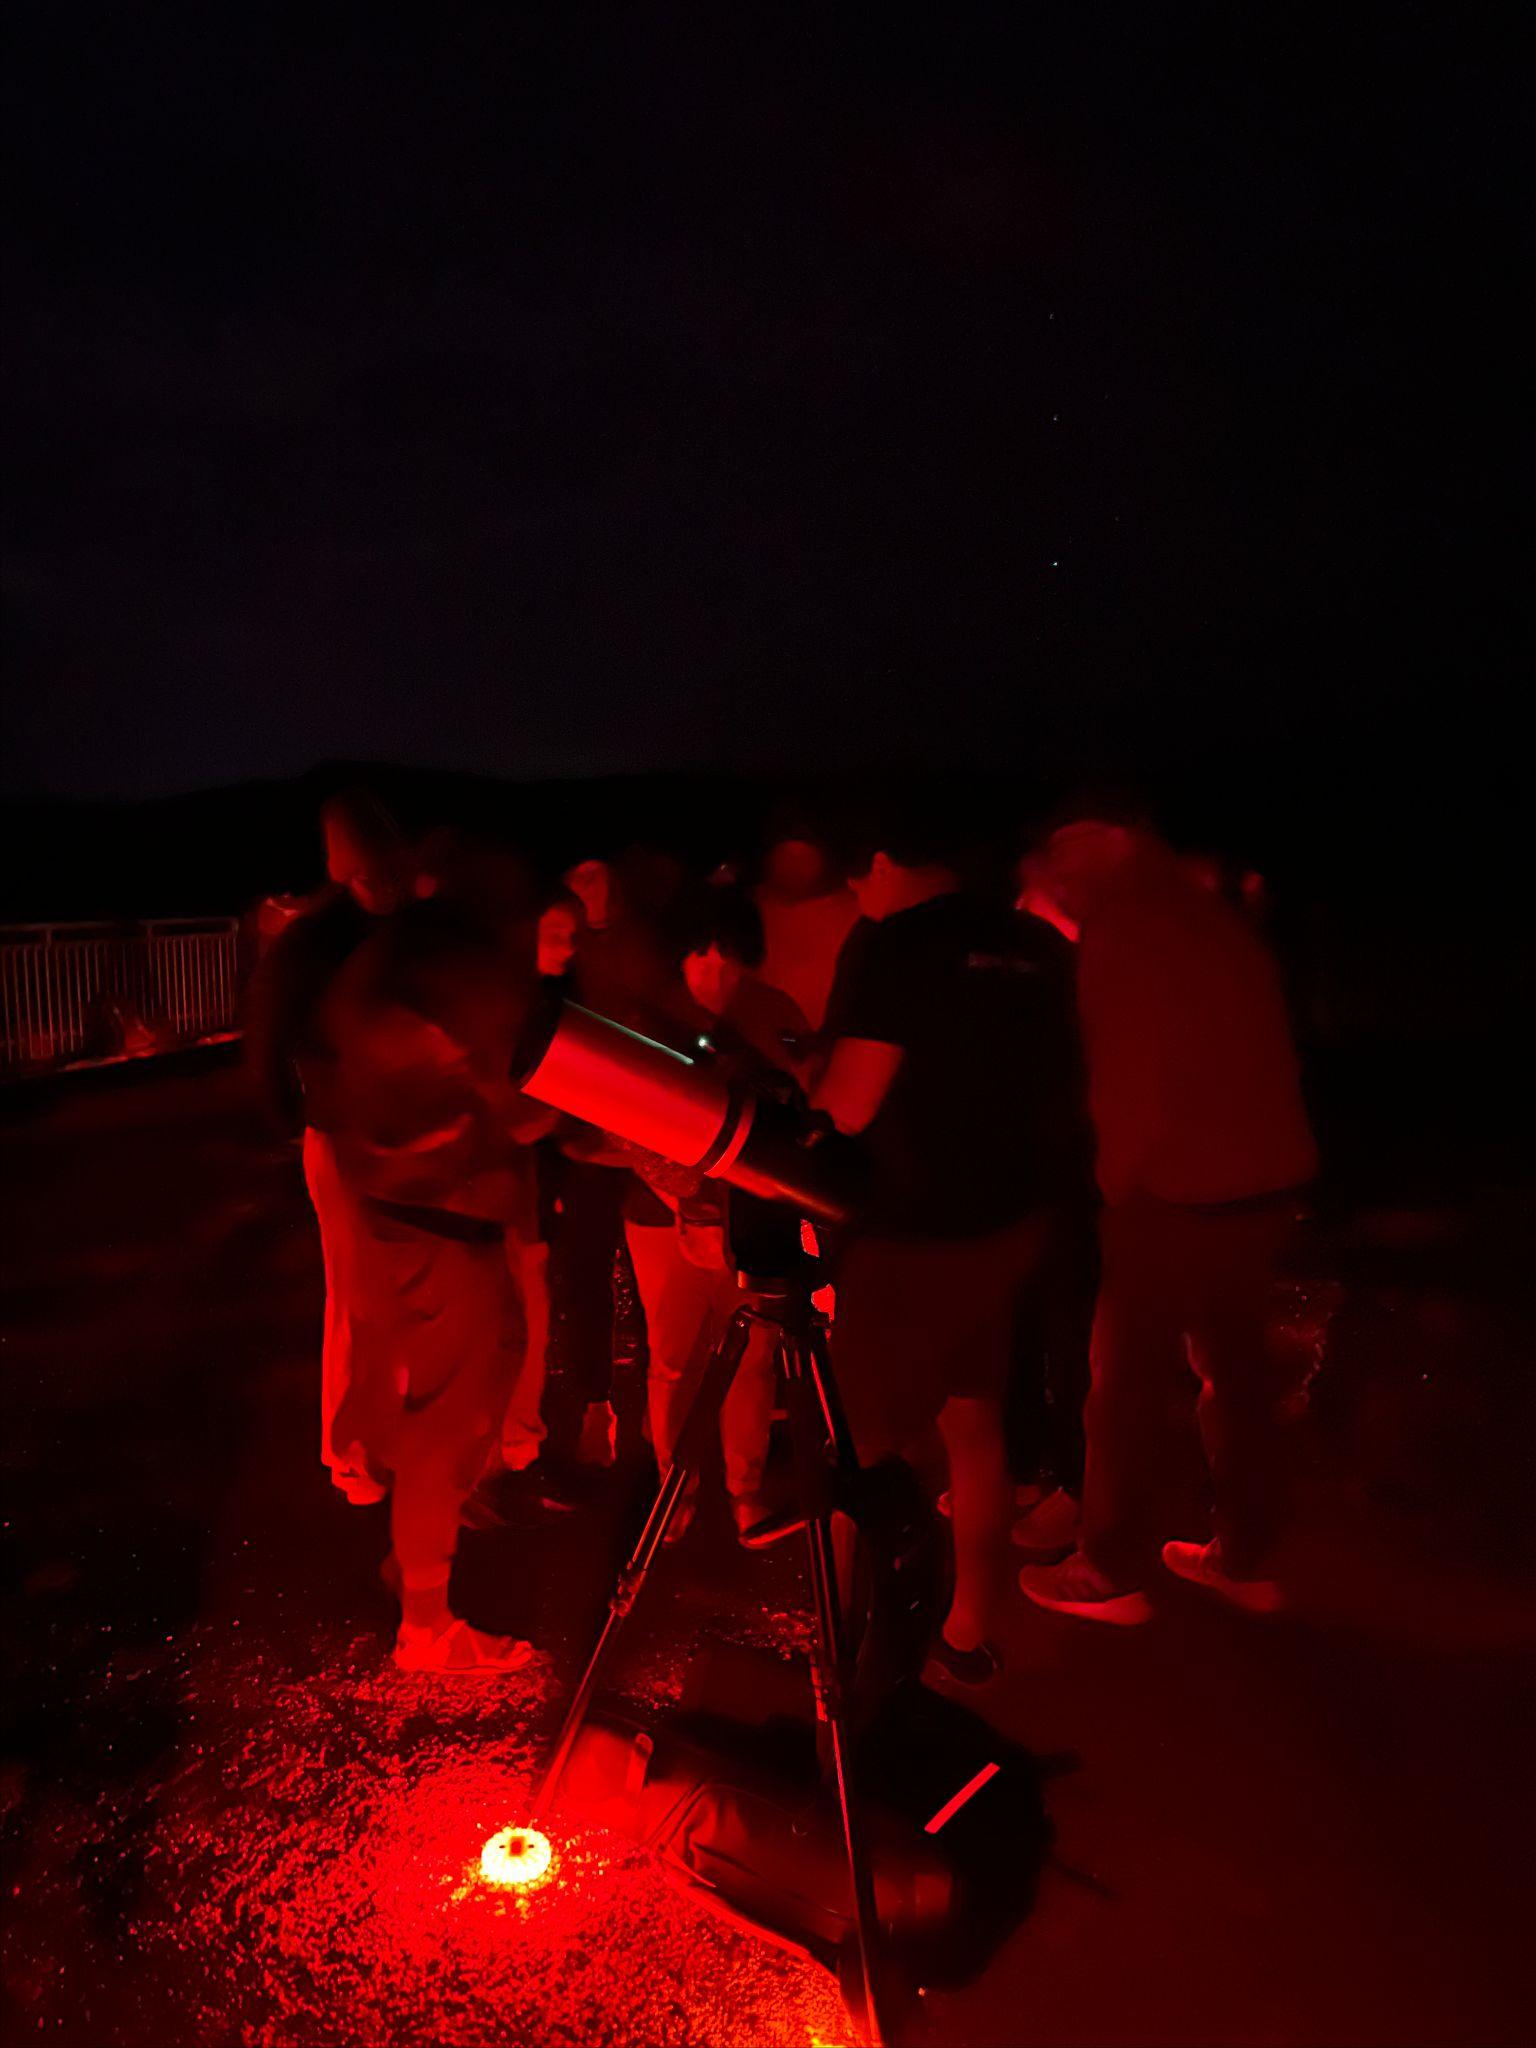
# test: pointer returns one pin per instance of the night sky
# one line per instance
(545, 391)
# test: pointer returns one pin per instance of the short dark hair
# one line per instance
(556, 896)
(367, 818)
(728, 919)
(916, 824)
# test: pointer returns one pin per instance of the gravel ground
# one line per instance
(228, 1820)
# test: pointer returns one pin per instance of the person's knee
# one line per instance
(971, 1424)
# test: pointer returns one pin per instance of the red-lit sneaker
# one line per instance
(360, 1488)
(459, 1651)
(1077, 1587)
(1048, 1533)
(599, 1443)
(1201, 1564)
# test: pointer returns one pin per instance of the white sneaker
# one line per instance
(599, 1443)
(360, 1488)
(1048, 1532)
(459, 1651)
(1201, 1564)
(1077, 1587)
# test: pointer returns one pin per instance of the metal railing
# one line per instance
(76, 993)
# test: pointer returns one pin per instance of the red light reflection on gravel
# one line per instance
(316, 1877)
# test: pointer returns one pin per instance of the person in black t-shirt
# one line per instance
(954, 1052)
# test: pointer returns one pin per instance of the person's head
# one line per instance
(725, 942)
(559, 922)
(797, 858)
(907, 851)
(1080, 863)
(1207, 871)
(798, 867)
(591, 883)
(364, 851)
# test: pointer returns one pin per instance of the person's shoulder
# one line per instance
(326, 926)
(771, 1006)
(1041, 943)
(838, 907)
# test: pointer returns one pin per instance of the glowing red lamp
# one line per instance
(517, 1857)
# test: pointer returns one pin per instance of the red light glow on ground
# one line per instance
(313, 1874)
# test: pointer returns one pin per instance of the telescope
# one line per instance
(687, 1111)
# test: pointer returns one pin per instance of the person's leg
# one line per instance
(680, 1303)
(455, 1349)
(1242, 1381)
(924, 1333)
(522, 1429)
(585, 1233)
(979, 1499)
(1137, 1363)
(333, 1212)
(746, 1418)
(1068, 1288)
(1049, 1390)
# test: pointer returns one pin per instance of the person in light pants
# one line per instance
(342, 1449)
(687, 1306)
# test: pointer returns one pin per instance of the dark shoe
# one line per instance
(770, 1525)
(966, 1667)
(556, 1493)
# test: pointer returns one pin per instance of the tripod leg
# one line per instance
(829, 1670)
(830, 1400)
(719, 1373)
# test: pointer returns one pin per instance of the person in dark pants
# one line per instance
(954, 1051)
(1049, 1388)
(1203, 1148)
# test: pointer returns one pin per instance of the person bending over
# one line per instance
(418, 1030)
(953, 1049)
(1203, 1147)
(368, 879)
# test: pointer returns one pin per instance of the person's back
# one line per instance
(418, 1029)
(807, 912)
(283, 1003)
(1195, 1087)
(984, 1120)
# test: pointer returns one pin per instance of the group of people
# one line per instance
(1081, 1109)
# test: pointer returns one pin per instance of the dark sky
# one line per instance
(542, 391)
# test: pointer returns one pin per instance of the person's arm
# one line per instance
(856, 1080)
(864, 1027)
(269, 1030)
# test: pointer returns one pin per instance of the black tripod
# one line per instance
(824, 1462)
